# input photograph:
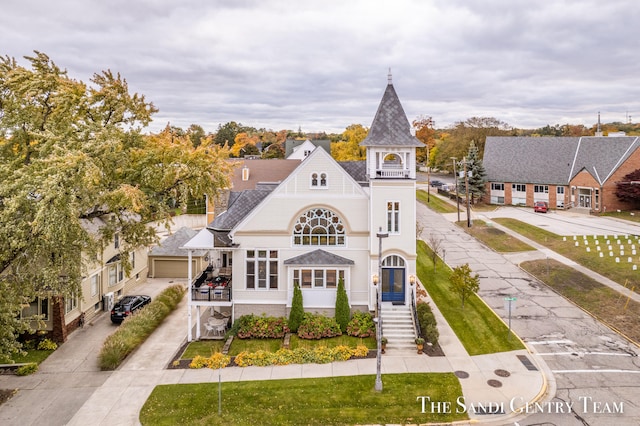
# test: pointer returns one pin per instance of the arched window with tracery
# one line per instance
(319, 227)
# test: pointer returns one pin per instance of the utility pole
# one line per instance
(466, 190)
(455, 182)
(428, 177)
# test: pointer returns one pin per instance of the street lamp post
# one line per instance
(428, 177)
(455, 182)
(378, 283)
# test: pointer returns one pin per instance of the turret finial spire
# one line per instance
(389, 76)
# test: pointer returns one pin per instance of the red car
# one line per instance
(540, 206)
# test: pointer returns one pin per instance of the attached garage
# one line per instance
(168, 260)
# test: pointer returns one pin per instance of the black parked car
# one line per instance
(436, 183)
(127, 306)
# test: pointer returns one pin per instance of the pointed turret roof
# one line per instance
(390, 126)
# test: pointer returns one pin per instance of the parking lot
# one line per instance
(563, 222)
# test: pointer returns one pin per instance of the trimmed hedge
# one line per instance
(137, 328)
(263, 327)
(427, 320)
(361, 325)
(318, 326)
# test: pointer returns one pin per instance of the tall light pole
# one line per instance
(428, 177)
(378, 282)
(455, 182)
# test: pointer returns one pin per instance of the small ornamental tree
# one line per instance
(628, 189)
(297, 310)
(343, 311)
(463, 283)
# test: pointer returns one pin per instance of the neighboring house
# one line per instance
(168, 260)
(105, 281)
(247, 173)
(316, 226)
(567, 172)
(299, 150)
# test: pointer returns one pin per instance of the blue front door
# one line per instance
(393, 285)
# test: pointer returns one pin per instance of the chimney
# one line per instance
(245, 173)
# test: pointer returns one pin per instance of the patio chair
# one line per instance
(210, 328)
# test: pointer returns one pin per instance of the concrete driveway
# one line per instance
(563, 222)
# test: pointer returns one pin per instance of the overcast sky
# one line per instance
(323, 65)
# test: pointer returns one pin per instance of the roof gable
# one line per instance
(554, 160)
(601, 156)
(390, 126)
(297, 183)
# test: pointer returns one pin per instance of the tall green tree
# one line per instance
(343, 311)
(477, 176)
(462, 283)
(75, 169)
(297, 310)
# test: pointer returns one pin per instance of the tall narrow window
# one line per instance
(393, 217)
(262, 269)
(323, 179)
(95, 284)
(314, 179)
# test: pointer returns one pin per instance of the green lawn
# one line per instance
(33, 355)
(495, 238)
(325, 401)
(207, 347)
(479, 329)
(621, 272)
(604, 303)
(435, 203)
(204, 348)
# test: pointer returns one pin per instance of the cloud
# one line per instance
(323, 65)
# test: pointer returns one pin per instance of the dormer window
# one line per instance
(318, 180)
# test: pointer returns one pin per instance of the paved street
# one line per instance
(594, 368)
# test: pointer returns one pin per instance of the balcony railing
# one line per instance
(208, 293)
(211, 289)
(392, 170)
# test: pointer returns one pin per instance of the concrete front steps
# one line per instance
(397, 327)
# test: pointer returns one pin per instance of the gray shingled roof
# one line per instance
(601, 156)
(318, 257)
(390, 126)
(529, 160)
(170, 246)
(554, 160)
(240, 205)
(356, 169)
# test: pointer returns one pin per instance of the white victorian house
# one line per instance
(314, 227)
